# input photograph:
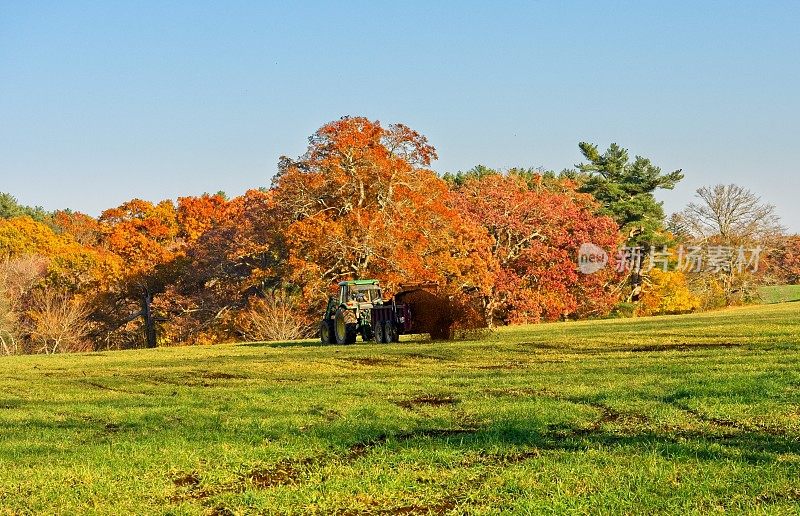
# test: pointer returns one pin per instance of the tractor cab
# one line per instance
(361, 294)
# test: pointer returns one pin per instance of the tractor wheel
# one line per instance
(345, 326)
(390, 332)
(326, 332)
(379, 335)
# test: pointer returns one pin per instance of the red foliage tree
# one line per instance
(783, 263)
(537, 230)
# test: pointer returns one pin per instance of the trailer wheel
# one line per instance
(379, 335)
(326, 332)
(390, 332)
(345, 326)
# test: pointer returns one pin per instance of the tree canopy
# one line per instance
(625, 189)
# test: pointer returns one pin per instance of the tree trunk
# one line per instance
(149, 320)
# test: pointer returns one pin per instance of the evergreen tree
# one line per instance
(10, 208)
(625, 189)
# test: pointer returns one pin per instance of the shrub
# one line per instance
(8, 324)
(57, 323)
(666, 293)
(274, 317)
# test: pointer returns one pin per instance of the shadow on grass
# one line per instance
(315, 343)
(284, 344)
(523, 437)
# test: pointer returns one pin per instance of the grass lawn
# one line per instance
(697, 413)
(779, 293)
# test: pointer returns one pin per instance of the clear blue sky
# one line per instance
(104, 101)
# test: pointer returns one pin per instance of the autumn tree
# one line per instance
(784, 261)
(233, 259)
(361, 202)
(71, 266)
(196, 215)
(667, 292)
(145, 237)
(83, 228)
(141, 233)
(537, 229)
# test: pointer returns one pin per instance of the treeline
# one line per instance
(361, 202)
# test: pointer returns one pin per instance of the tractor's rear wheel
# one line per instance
(345, 326)
(390, 332)
(379, 335)
(326, 332)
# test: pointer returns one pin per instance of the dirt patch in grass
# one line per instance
(184, 479)
(505, 458)
(506, 366)
(375, 507)
(443, 507)
(361, 449)
(540, 345)
(190, 378)
(729, 424)
(430, 400)
(187, 486)
(284, 472)
(328, 414)
(792, 495)
(111, 428)
(422, 356)
(686, 346)
(372, 361)
(221, 510)
(279, 474)
(723, 423)
(112, 389)
(222, 376)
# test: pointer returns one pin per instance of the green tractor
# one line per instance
(360, 309)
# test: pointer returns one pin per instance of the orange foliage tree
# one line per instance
(196, 215)
(361, 202)
(231, 261)
(145, 236)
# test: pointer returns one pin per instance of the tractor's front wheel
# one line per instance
(326, 332)
(345, 326)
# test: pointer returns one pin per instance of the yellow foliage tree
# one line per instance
(70, 265)
(666, 293)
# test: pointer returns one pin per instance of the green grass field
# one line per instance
(779, 293)
(697, 413)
